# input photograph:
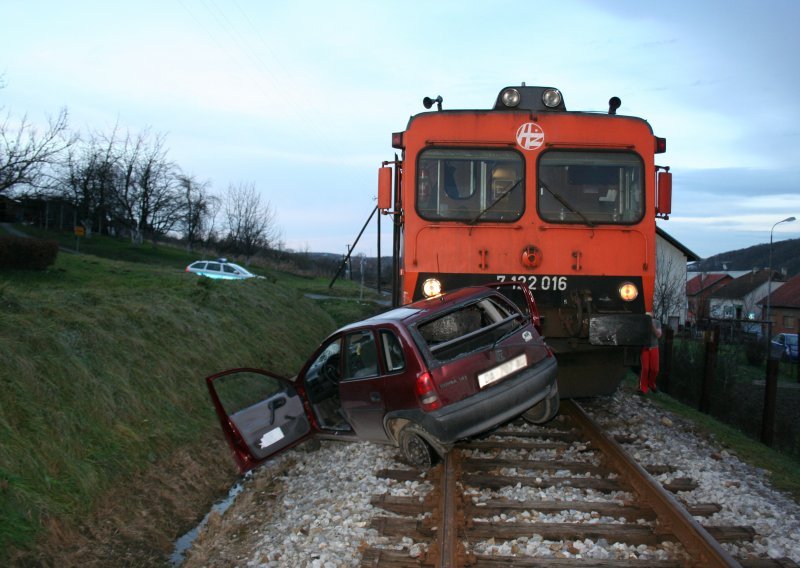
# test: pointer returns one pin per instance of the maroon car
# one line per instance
(421, 377)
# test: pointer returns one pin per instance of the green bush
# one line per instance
(755, 351)
(27, 254)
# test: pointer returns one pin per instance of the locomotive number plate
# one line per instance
(537, 281)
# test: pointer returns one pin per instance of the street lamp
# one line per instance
(769, 275)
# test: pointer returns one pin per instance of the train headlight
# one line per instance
(628, 292)
(431, 287)
(510, 97)
(551, 98)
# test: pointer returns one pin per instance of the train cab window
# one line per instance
(470, 185)
(590, 187)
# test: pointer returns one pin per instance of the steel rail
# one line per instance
(448, 531)
(673, 517)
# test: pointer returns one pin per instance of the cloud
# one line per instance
(732, 184)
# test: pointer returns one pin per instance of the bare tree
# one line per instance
(199, 210)
(87, 180)
(25, 153)
(669, 295)
(147, 193)
(251, 225)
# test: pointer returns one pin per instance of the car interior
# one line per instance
(322, 388)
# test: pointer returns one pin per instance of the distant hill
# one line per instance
(785, 256)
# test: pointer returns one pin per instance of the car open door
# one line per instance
(261, 414)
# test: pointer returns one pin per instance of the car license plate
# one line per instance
(501, 371)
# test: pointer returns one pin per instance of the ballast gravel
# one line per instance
(312, 508)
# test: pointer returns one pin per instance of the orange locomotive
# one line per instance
(562, 201)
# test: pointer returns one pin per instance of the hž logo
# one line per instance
(530, 136)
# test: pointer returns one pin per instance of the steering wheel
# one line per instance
(330, 371)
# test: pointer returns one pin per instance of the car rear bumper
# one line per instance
(486, 409)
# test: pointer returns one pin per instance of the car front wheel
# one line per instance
(416, 450)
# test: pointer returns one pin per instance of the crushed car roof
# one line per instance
(422, 308)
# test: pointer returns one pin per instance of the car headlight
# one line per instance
(431, 287)
(628, 292)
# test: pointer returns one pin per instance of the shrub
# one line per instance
(27, 254)
(755, 351)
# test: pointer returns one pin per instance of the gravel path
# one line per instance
(311, 509)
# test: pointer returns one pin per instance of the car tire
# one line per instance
(543, 411)
(416, 450)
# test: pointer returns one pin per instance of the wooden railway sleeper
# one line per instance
(703, 549)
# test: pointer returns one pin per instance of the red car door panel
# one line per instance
(261, 414)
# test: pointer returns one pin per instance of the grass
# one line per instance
(736, 358)
(102, 367)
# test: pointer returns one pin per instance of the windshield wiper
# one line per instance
(566, 204)
(495, 202)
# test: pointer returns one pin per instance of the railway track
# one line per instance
(562, 495)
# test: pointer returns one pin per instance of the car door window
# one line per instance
(360, 355)
(243, 390)
(392, 351)
(213, 266)
(324, 373)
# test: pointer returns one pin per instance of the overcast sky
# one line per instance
(301, 98)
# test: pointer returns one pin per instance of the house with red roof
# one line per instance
(698, 290)
(784, 306)
(740, 298)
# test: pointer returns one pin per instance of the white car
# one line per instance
(220, 269)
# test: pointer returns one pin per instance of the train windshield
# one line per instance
(590, 187)
(470, 185)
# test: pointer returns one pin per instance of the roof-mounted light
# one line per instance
(551, 98)
(510, 97)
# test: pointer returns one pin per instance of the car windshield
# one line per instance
(471, 327)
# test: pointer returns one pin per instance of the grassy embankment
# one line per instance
(105, 422)
(108, 445)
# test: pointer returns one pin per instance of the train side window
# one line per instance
(470, 185)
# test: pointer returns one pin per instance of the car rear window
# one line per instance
(470, 327)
